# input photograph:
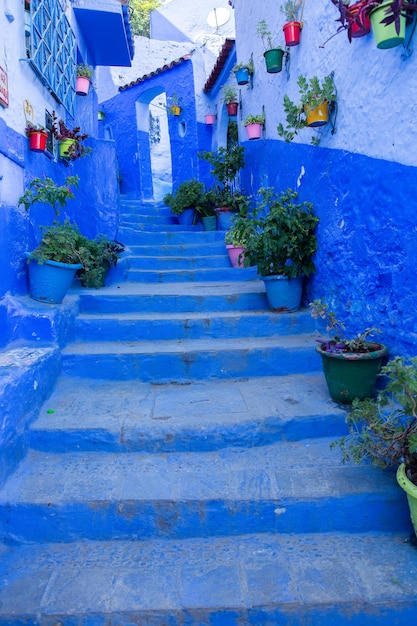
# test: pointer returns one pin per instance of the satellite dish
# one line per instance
(218, 17)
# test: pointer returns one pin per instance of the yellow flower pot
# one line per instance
(318, 116)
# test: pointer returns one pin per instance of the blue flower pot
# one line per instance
(50, 281)
(224, 219)
(186, 218)
(242, 76)
(284, 294)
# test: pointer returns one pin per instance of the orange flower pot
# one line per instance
(318, 116)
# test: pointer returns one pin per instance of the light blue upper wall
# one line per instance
(361, 180)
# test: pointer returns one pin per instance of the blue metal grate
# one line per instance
(53, 50)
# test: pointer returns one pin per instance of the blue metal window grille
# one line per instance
(52, 50)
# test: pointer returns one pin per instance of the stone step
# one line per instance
(176, 236)
(187, 325)
(181, 249)
(124, 297)
(285, 487)
(84, 414)
(194, 359)
(225, 274)
(128, 217)
(180, 262)
(250, 579)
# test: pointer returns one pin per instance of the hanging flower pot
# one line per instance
(231, 108)
(210, 119)
(318, 116)
(37, 140)
(385, 35)
(359, 24)
(273, 60)
(254, 131)
(66, 148)
(82, 85)
(242, 76)
(175, 110)
(292, 31)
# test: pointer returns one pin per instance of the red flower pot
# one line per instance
(292, 32)
(232, 108)
(37, 140)
(359, 24)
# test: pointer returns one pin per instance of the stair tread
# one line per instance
(263, 574)
(197, 288)
(176, 346)
(214, 412)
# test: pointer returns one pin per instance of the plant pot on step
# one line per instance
(224, 218)
(236, 255)
(82, 85)
(209, 222)
(318, 116)
(186, 218)
(351, 375)
(411, 490)
(37, 140)
(50, 281)
(386, 36)
(292, 32)
(283, 293)
(273, 60)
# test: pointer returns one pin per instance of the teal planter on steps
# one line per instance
(209, 222)
(50, 281)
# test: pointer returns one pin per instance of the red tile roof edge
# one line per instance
(159, 70)
(219, 65)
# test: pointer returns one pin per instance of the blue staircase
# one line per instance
(180, 472)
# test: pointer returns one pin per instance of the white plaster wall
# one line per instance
(376, 88)
(23, 82)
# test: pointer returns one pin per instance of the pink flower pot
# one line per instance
(236, 255)
(254, 131)
(210, 119)
(82, 85)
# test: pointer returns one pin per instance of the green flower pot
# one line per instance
(386, 36)
(273, 60)
(351, 375)
(411, 491)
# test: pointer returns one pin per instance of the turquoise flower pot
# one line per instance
(284, 294)
(50, 281)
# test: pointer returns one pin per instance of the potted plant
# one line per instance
(71, 141)
(184, 200)
(46, 191)
(384, 429)
(53, 264)
(205, 208)
(175, 105)
(37, 135)
(226, 164)
(244, 72)
(282, 246)
(97, 257)
(210, 119)
(237, 236)
(351, 365)
(273, 55)
(316, 97)
(254, 125)
(292, 27)
(83, 80)
(230, 99)
(353, 18)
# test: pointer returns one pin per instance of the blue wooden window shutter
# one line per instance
(53, 50)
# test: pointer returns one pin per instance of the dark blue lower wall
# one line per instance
(367, 256)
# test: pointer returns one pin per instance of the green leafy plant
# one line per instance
(34, 128)
(243, 227)
(46, 191)
(225, 162)
(384, 429)
(97, 257)
(207, 204)
(84, 71)
(284, 239)
(338, 342)
(229, 94)
(188, 195)
(290, 10)
(254, 119)
(313, 93)
(249, 66)
(262, 29)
